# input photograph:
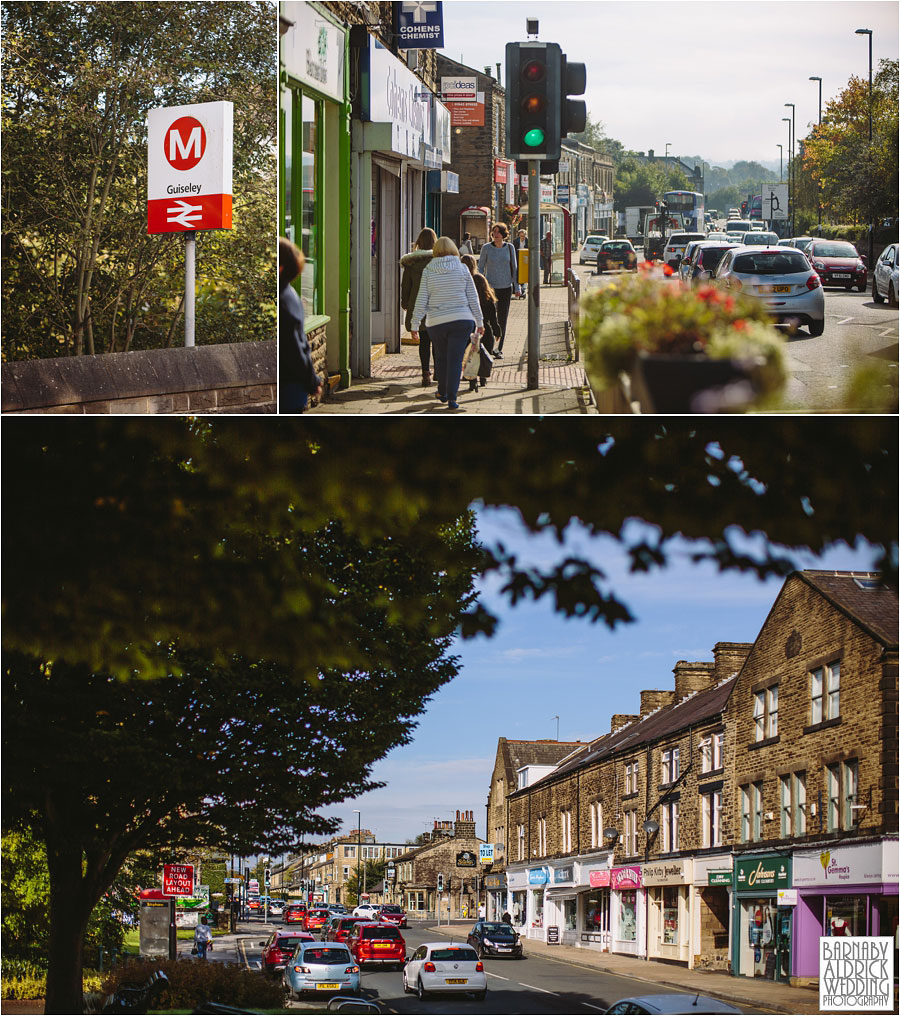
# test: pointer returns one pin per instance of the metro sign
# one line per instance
(189, 159)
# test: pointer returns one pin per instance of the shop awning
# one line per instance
(560, 893)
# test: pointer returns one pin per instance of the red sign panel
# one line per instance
(598, 879)
(466, 114)
(627, 878)
(500, 171)
(196, 211)
(184, 143)
(178, 880)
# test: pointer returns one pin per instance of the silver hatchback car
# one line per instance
(321, 967)
(782, 278)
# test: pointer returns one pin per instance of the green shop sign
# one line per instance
(719, 877)
(770, 872)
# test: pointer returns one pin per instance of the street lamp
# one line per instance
(780, 162)
(792, 172)
(818, 124)
(358, 856)
(787, 120)
(668, 146)
(868, 31)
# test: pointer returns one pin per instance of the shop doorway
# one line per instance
(765, 940)
(385, 318)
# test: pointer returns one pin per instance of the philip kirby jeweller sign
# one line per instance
(189, 158)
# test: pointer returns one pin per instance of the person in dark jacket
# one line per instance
(413, 265)
(547, 256)
(297, 377)
(488, 302)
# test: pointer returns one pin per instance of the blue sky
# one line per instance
(539, 666)
(710, 78)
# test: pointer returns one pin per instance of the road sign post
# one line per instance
(189, 164)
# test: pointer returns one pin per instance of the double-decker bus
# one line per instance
(690, 205)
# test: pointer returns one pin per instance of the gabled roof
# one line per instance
(537, 753)
(873, 607)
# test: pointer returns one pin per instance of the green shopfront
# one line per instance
(314, 157)
(762, 929)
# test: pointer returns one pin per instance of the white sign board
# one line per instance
(398, 97)
(459, 89)
(312, 49)
(774, 201)
(189, 159)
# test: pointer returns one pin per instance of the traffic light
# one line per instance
(572, 112)
(440, 883)
(267, 875)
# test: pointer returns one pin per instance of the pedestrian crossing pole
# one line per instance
(534, 270)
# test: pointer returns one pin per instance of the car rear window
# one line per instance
(379, 933)
(617, 245)
(326, 954)
(771, 263)
(391, 908)
(683, 238)
(834, 250)
(468, 955)
(711, 256)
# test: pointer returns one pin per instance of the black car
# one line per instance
(616, 254)
(495, 938)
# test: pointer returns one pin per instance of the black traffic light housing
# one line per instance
(440, 883)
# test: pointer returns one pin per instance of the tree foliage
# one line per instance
(80, 273)
(372, 873)
(641, 183)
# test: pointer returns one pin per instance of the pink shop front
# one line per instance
(842, 890)
(628, 910)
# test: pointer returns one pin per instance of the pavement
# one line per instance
(396, 383)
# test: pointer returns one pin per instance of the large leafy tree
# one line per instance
(80, 273)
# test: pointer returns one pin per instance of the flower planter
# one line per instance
(695, 383)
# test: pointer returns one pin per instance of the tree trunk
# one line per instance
(70, 910)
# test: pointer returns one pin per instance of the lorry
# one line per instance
(634, 222)
(657, 227)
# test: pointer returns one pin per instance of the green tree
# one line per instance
(80, 273)
(372, 874)
(642, 183)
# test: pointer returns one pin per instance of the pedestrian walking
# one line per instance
(482, 911)
(497, 262)
(447, 297)
(413, 265)
(520, 243)
(547, 256)
(466, 246)
(506, 918)
(487, 300)
(297, 377)
(202, 939)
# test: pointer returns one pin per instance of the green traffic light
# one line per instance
(534, 138)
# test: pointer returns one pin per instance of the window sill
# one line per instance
(710, 773)
(764, 743)
(314, 321)
(824, 725)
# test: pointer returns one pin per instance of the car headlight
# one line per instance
(487, 941)
(819, 265)
(860, 267)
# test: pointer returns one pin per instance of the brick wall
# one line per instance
(233, 378)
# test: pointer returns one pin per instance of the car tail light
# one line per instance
(429, 967)
(479, 966)
(302, 970)
(735, 284)
(352, 970)
(813, 282)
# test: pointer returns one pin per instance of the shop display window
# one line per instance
(538, 908)
(519, 907)
(845, 916)
(596, 912)
(310, 240)
(670, 915)
(628, 916)
(570, 909)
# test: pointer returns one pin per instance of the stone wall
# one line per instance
(239, 377)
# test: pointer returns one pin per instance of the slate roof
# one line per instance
(873, 609)
(538, 753)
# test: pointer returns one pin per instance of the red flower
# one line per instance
(740, 325)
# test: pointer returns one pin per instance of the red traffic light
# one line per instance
(533, 70)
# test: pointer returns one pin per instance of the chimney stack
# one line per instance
(730, 657)
(653, 700)
(620, 720)
(692, 677)
(465, 826)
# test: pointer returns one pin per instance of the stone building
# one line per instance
(440, 877)
(584, 184)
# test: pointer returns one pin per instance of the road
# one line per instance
(857, 332)
(531, 985)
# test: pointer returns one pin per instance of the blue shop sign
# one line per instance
(562, 875)
(537, 876)
(421, 26)
(562, 193)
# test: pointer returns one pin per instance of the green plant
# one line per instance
(644, 315)
(27, 979)
(192, 982)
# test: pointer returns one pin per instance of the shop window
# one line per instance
(596, 912)
(565, 830)
(842, 779)
(670, 765)
(570, 912)
(711, 752)
(537, 901)
(627, 916)
(596, 824)
(751, 812)
(631, 832)
(712, 818)
(310, 226)
(542, 836)
(845, 916)
(765, 713)
(519, 905)
(825, 693)
(669, 826)
(670, 915)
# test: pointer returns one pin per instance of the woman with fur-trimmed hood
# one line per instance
(413, 265)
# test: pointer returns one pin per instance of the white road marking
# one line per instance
(846, 321)
(597, 1007)
(531, 987)
(499, 978)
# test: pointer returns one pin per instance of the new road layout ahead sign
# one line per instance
(189, 157)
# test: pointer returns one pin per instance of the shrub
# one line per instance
(194, 981)
(27, 979)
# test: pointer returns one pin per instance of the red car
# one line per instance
(294, 913)
(339, 930)
(837, 263)
(374, 943)
(315, 918)
(390, 913)
(279, 947)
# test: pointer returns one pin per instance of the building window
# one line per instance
(669, 815)
(711, 752)
(349, 851)
(542, 836)
(346, 871)
(631, 832)
(596, 824)
(825, 693)
(631, 777)
(765, 713)
(799, 803)
(843, 782)
(785, 808)
(712, 818)
(521, 838)
(415, 900)
(670, 765)
(565, 830)
(751, 812)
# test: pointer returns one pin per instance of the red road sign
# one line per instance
(178, 880)
(199, 211)
(185, 143)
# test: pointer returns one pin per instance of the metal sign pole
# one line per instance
(190, 256)
(534, 269)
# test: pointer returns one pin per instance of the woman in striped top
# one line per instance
(447, 296)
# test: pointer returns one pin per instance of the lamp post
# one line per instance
(358, 855)
(868, 31)
(780, 162)
(787, 120)
(668, 146)
(818, 123)
(792, 172)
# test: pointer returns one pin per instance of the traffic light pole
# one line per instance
(534, 270)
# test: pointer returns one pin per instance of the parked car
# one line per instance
(375, 944)
(782, 278)
(589, 248)
(279, 947)
(757, 237)
(686, 263)
(445, 967)
(321, 967)
(884, 277)
(616, 254)
(706, 260)
(315, 918)
(294, 913)
(837, 263)
(675, 245)
(340, 926)
(672, 1004)
(369, 910)
(495, 938)
(390, 913)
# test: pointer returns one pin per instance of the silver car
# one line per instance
(758, 238)
(686, 264)
(321, 967)
(445, 967)
(782, 278)
(649, 1004)
(884, 278)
